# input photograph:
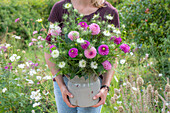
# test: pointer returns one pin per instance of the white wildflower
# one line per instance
(147, 55)
(32, 72)
(122, 61)
(135, 89)
(17, 37)
(80, 40)
(115, 108)
(82, 63)
(38, 77)
(55, 53)
(123, 26)
(119, 102)
(7, 45)
(160, 75)
(36, 104)
(131, 53)
(33, 111)
(30, 81)
(61, 64)
(47, 77)
(117, 31)
(109, 17)
(106, 33)
(18, 57)
(39, 20)
(67, 5)
(3, 90)
(124, 84)
(12, 58)
(21, 66)
(94, 65)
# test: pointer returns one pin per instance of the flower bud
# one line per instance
(121, 109)
(117, 92)
(112, 100)
(167, 88)
(149, 88)
(128, 85)
(140, 81)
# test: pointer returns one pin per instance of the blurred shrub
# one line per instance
(147, 23)
(26, 10)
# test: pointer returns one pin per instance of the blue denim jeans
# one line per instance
(62, 106)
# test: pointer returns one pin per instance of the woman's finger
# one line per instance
(101, 102)
(67, 102)
(97, 96)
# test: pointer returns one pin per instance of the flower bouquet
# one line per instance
(84, 48)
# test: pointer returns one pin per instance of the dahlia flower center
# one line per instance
(72, 50)
(103, 48)
(91, 53)
(82, 23)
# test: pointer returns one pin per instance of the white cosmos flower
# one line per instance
(117, 31)
(131, 53)
(32, 72)
(134, 88)
(33, 111)
(82, 63)
(147, 55)
(106, 33)
(39, 20)
(47, 77)
(18, 57)
(67, 5)
(7, 45)
(80, 40)
(30, 81)
(115, 108)
(109, 17)
(3, 90)
(160, 75)
(38, 77)
(12, 58)
(21, 66)
(119, 102)
(36, 104)
(122, 61)
(61, 64)
(55, 53)
(94, 65)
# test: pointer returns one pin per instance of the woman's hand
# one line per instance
(102, 94)
(65, 93)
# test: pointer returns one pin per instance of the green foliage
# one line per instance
(147, 23)
(27, 11)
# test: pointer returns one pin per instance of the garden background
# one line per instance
(142, 75)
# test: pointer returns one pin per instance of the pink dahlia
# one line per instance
(125, 48)
(73, 35)
(83, 24)
(85, 45)
(107, 65)
(90, 53)
(116, 40)
(103, 50)
(52, 47)
(73, 52)
(94, 28)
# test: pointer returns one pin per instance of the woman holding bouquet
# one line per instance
(88, 8)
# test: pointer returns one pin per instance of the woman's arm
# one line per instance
(107, 78)
(59, 78)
